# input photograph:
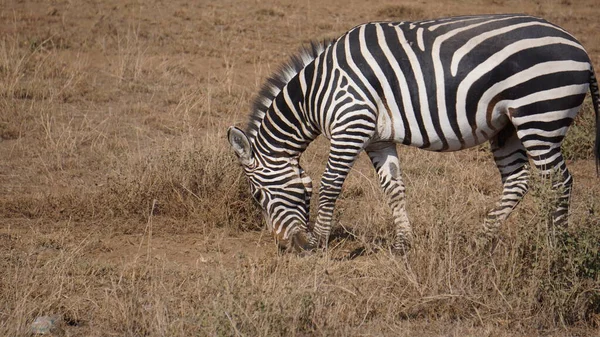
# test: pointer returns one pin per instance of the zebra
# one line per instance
(442, 85)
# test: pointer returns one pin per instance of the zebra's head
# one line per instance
(281, 188)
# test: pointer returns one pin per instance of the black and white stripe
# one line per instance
(441, 85)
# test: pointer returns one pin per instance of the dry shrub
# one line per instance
(579, 144)
(562, 264)
(201, 183)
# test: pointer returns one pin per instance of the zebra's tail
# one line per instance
(596, 103)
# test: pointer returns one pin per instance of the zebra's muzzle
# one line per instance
(301, 242)
(298, 242)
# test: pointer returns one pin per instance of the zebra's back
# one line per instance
(454, 83)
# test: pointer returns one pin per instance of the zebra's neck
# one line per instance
(286, 129)
(279, 125)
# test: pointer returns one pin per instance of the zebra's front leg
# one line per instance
(385, 160)
(332, 180)
(342, 154)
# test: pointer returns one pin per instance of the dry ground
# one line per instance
(122, 211)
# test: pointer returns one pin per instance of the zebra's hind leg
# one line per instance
(542, 138)
(549, 161)
(512, 162)
(385, 160)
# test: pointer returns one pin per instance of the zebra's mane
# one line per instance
(275, 83)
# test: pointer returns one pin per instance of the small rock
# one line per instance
(43, 325)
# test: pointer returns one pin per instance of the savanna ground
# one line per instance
(123, 213)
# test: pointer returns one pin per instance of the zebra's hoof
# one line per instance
(400, 249)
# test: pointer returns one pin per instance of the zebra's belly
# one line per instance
(458, 135)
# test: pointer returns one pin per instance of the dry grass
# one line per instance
(123, 212)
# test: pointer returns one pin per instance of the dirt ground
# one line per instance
(123, 213)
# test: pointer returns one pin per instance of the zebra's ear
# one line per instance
(240, 144)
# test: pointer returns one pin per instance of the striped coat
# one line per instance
(441, 85)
